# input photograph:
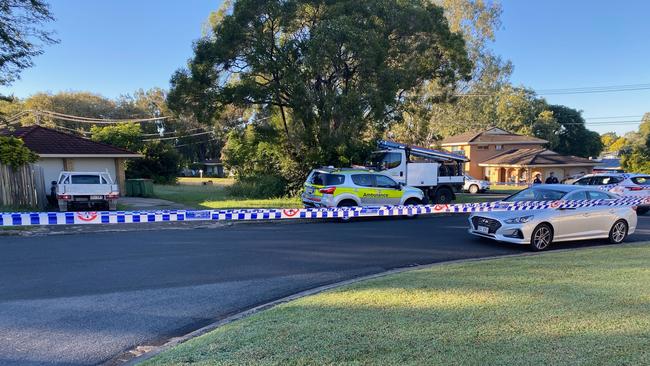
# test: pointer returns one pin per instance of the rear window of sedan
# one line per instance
(326, 179)
(643, 181)
(536, 194)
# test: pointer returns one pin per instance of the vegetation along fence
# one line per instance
(22, 187)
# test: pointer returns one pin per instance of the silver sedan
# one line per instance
(540, 228)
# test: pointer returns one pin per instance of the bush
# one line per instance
(160, 163)
(264, 186)
(14, 153)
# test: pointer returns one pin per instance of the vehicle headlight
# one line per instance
(519, 220)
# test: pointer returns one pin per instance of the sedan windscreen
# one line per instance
(536, 194)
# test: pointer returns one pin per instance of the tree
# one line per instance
(124, 135)
(608, 138)
(160, 163)
(547, 128)
(336, 74)
(574, 137)
(14, 153)
(22, 35)
(636, 158)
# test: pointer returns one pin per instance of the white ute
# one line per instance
(86, 189)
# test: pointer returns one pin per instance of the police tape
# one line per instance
(128, 217)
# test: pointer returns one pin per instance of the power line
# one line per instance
(80, 119)
(580, 90)
(178, 137)
(613, 117)
(197, 142)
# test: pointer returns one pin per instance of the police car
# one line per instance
(623, 184)
(330, 187)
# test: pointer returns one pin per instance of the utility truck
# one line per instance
(439, 174)
(85, 189)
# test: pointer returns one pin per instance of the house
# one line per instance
(59, 151)
(501, 156)
(212, 168)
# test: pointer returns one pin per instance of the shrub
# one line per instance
(160, 163)
(264, 186)
(14, 153)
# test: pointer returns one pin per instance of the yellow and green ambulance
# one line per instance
(331, 187)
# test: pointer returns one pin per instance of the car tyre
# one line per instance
(412, 202)
(473, 189)
(642, 210)
(541, 238)
(346, 203)
(443, 195)
(618, 232)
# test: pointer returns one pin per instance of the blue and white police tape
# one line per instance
(127, 217)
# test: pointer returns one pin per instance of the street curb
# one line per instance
(131, 357)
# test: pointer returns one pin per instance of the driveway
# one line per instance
(84, 298)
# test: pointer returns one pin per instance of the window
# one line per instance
(498, 147)
(385, 160)
(596, 195)
(483, 147)
(536, 194)
(644, 181)
(583, 181)
(605, 179)
(363, 180)
(85, 179)
(458, 151)
(576, 196)
(385, 182)
(326, 179)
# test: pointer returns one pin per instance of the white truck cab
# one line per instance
(86, 189)
(438, 174)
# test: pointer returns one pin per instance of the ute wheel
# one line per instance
(443, 195)
(541, 238)
(346, 203)
(618, 232)
(412, 202)
(642, 210)
(473, 189)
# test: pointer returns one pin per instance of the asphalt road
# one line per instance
(84, 298)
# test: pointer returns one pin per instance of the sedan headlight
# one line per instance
(519, 220)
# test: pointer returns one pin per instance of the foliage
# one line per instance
(14, 153)
(160, 163)
(22, 35)
(334, 75)
(637, 157)
(124, 135)
(574, 137)
(261, 186)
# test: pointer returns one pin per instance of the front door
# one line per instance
(388, 191)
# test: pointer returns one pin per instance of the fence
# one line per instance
(22, 187)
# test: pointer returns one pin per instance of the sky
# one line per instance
(116, 47)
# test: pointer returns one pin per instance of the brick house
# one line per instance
(505, 157)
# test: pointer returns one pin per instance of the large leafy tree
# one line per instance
(335, 74)
(22, 35)
(573, 137)
(636, 158)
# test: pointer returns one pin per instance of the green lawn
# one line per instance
(215, 197)
(584, 307)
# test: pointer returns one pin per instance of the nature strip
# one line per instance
(127, 217)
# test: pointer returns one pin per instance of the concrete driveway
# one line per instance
(85, 298)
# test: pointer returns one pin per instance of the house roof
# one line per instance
(531, 157)
(491, 136)
(51, 143)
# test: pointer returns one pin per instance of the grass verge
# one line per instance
(587, 307)
(216, 197)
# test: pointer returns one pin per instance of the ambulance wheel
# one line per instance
(346, 203)
(443, 195)
(412, 202)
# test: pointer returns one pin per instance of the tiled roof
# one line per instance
(493, 135)
(525, 157)
(46, 141)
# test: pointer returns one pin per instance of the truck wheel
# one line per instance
(443, 195)
(63, 207)
(473, 189)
